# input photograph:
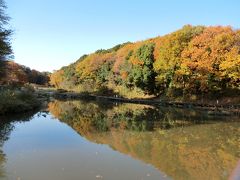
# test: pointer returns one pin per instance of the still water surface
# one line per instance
(92, 140)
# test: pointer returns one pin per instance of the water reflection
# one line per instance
(45, 148)
(6, 127)
(183, 144)
(4, 131)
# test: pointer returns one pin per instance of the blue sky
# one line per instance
(49, 34)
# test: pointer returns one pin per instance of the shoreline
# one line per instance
(48, 95)
(213, 109)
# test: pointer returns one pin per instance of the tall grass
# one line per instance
(15, 100)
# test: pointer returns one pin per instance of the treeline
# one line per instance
(12, 73)
(191, 61)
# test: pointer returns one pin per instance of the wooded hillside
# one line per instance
(191, 61)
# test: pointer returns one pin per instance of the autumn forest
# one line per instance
(195, 60)
(128, 106)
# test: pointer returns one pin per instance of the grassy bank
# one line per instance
(17, 100)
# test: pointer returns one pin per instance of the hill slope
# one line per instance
(191, 61)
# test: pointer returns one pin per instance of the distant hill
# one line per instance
(192, 61)
(13, 73)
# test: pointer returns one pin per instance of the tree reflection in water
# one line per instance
(6, 127)
(184, 144)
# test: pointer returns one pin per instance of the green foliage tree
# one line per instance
(103, 72)
(143, 75)
(5, 47)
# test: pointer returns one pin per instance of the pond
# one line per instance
(102, 140)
